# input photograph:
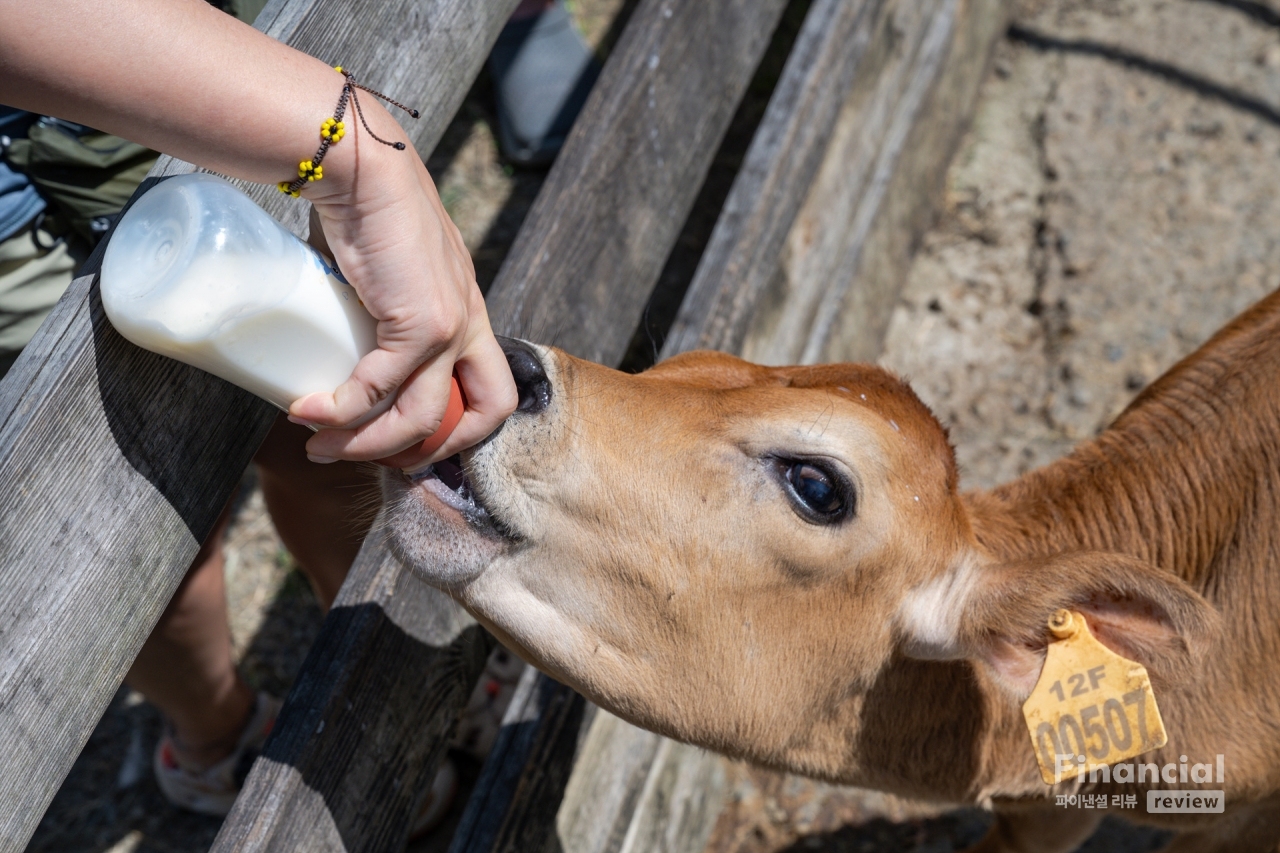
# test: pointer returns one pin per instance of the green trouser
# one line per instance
(32, 279)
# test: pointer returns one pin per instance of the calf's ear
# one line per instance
(1132, 607)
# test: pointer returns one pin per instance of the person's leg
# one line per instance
(186, 667)
(322, 512)
(542, 72)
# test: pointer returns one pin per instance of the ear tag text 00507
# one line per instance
(1091, 707)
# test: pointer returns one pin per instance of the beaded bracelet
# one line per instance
(333, 129)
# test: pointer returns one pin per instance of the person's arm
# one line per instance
(186, 79)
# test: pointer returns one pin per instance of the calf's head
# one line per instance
(736, 555)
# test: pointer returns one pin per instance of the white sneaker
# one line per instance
(213, 789)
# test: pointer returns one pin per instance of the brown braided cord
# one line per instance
(309, 170)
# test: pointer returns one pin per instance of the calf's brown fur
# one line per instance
(637, 538)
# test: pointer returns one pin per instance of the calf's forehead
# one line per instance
(701, 388)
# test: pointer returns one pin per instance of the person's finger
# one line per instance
(402, 347)
(490, 395)
(415, 458)
(376, 376)
(417, 413)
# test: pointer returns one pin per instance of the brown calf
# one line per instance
(775, 563)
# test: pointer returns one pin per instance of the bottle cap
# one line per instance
(411, 459)
(452, 414)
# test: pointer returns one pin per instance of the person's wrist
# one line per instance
(359, 165)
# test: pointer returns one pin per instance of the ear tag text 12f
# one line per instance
(1091, 707)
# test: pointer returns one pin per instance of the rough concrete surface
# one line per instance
(1114, 203)
(1102, 220)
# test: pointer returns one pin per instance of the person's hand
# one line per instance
(384, 225)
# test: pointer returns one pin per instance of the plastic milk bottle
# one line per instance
(198, 272)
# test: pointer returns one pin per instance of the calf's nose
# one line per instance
(530, 376)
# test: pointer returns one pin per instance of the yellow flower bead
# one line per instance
(338, 68)
(316, 174)
(332, 130)
(283, 186)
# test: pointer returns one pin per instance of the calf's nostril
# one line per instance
(531, 379)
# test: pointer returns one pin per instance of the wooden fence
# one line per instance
(117, 462)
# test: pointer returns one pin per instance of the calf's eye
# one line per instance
(818, 494)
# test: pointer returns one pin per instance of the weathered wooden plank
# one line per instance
(785, 154)
(119, 461)
(635, 792)
(527, 769)
(605, 221)
(367, 721)
(847, 251)
(112, 489)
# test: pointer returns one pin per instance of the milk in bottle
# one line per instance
(198, 272)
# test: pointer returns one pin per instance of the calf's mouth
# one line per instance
(447, 481)
(439, 520)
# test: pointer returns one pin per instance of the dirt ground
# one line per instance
(1115, 202)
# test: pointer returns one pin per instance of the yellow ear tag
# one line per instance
(1091, 707)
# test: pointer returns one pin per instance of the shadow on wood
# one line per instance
(145, 400)
(523, 780)
(368, 719)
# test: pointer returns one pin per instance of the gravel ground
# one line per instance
(1114, 203)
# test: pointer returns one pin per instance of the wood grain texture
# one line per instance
(112, 486)
(635, 792)
(367, 721)
(596, 238)
(118, 461)
(875, 273)
(785, 154)
(846, 254)
(514, 802)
